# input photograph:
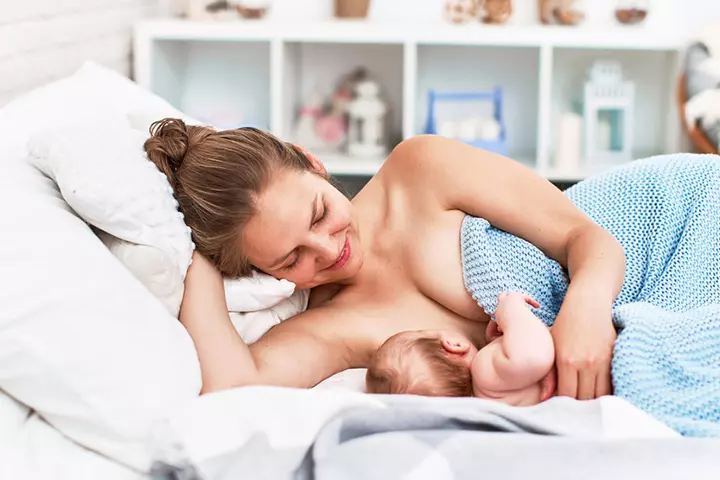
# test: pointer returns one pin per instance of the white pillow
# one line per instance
(152, 267)
(82, 342)
(105, 176)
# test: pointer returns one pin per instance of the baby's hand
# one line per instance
(510, 304)
(509, 301)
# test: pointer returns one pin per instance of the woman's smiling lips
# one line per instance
(344, 255)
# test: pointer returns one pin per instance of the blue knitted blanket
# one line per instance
(665, 212)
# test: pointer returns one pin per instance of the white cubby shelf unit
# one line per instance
(263, 71)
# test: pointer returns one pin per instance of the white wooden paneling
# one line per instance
(18, 11)
(43, 40)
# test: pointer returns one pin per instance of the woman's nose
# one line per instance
(326, 248)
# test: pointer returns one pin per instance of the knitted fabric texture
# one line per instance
(665, 212)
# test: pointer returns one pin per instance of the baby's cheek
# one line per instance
(492, 332)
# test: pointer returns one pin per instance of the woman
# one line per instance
(389, 261)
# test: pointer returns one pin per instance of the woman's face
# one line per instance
(303, 231)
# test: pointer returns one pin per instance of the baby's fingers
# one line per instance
(531, 301)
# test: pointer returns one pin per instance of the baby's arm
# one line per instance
(523, 355)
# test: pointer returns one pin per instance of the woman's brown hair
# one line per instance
(217, 177)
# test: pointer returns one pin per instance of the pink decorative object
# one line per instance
(331, 129)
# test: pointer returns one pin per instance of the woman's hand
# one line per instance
(584, 337)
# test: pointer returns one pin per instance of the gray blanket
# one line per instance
(459, 438)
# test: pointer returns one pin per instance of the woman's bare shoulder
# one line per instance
(410, 157)
(424, 163)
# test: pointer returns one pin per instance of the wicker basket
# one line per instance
(697, 137)
(351, 8)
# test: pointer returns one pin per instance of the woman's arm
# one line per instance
(513, 198)
(302, 353)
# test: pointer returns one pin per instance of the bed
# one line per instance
(99, 380)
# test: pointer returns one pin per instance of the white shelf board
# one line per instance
(339, 164)
(436, 33)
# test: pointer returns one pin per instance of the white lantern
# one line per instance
(609, 103)
(366, 128)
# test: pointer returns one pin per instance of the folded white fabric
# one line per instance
(257, 292)
(252, 325)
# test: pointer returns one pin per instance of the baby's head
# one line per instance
(434, 363)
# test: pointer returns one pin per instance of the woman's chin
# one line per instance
(349, 271)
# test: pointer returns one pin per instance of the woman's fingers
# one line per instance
(603, 383)
(586, 385)
(567, 381)
(583, 385)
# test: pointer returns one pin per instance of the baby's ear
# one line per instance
(454, 343)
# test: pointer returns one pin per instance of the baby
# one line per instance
(515, 367)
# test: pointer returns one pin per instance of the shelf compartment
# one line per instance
(225, 84)
(458, 68)
(651, 71)
(316, 68)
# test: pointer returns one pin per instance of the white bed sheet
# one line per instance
(30, 448)
(291, 418)
(224, 422)
(621, 419)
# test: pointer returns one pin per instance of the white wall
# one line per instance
(42, 40)
(698, 13)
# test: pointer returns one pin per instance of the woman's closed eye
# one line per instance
(319, 219)
(322, 216)
(293, 264)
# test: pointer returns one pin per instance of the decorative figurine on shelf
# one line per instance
(487, 133)
(461, 11)
(305, 133)
(323, 122)
(609, 103)
(631, 12)
(366, 124)
(561, 12)
(252, 9)
(496, 11)
(331, 127)
(351, 8)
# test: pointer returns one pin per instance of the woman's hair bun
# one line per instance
(167, 146)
